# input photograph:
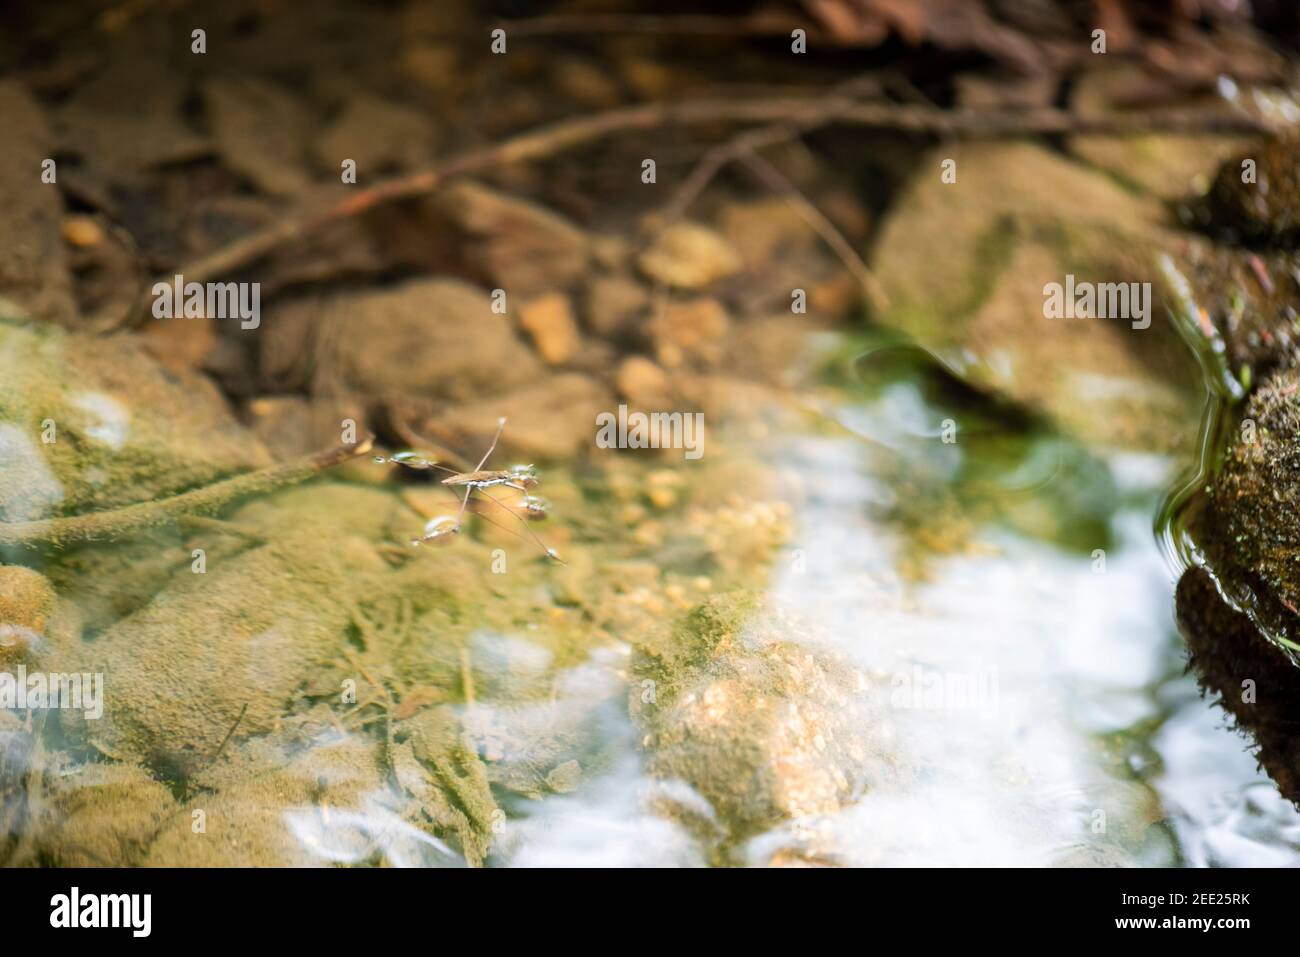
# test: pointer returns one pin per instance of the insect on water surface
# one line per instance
(520, 478)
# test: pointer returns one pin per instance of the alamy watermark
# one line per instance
(74, 691)
(1106, 300)
(922, 689)
(651, 430)
(133, 912)
(179, 299)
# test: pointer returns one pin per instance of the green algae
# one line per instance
(94, 423)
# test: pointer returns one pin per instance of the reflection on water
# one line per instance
(1225, 812)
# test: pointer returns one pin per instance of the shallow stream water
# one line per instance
(1037, 686)
(998, 587)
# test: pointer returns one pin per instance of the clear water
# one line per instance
(1071, 734)
(1004, 590)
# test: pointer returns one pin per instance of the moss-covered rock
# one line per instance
(1248, 526)
(278, 805)
(92, 423)
(965, 264)
(227, 647)
(763, 724)
(106, 815)
(26, 603)
(1254, 684)
(1263, 207)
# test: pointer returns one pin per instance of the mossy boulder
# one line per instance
(1239, 603)
(26, 603)
(229, 647)
(1248, 525)
(1255, 197)
(92, 423)
(105, 815)
(964, 266)
(1235, 661)
(277, 805)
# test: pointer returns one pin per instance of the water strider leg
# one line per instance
(549, 552)
(501, 427)
(464, 503)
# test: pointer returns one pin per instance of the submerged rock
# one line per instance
(89, 423)
(261, 130)
(424, 339)
(380, 135)
(549, 322)
(615, 305)
(519, 245)
(26, 603)
(224, 651)
(462, 801)
(274, 805)
(106, 815)
(689, 256)
(761, 724)
(550, 418)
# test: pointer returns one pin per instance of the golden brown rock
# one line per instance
(26, 602)
(689, 256)
(642, 383)
(760, 722)
(548, 320)
(614, 304)
(691, 330)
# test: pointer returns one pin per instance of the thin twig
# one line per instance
(752, 140)
(226, 740)
(654, 24)
(142, 516)
(808, 112)
(824, 228)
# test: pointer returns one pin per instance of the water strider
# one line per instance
(520, 478)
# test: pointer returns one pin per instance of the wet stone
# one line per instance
(1266, 210)
(1248, 527)
(689, 256)
(1128, 381)
(88, 423)
(34, 274)
(764, 726)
